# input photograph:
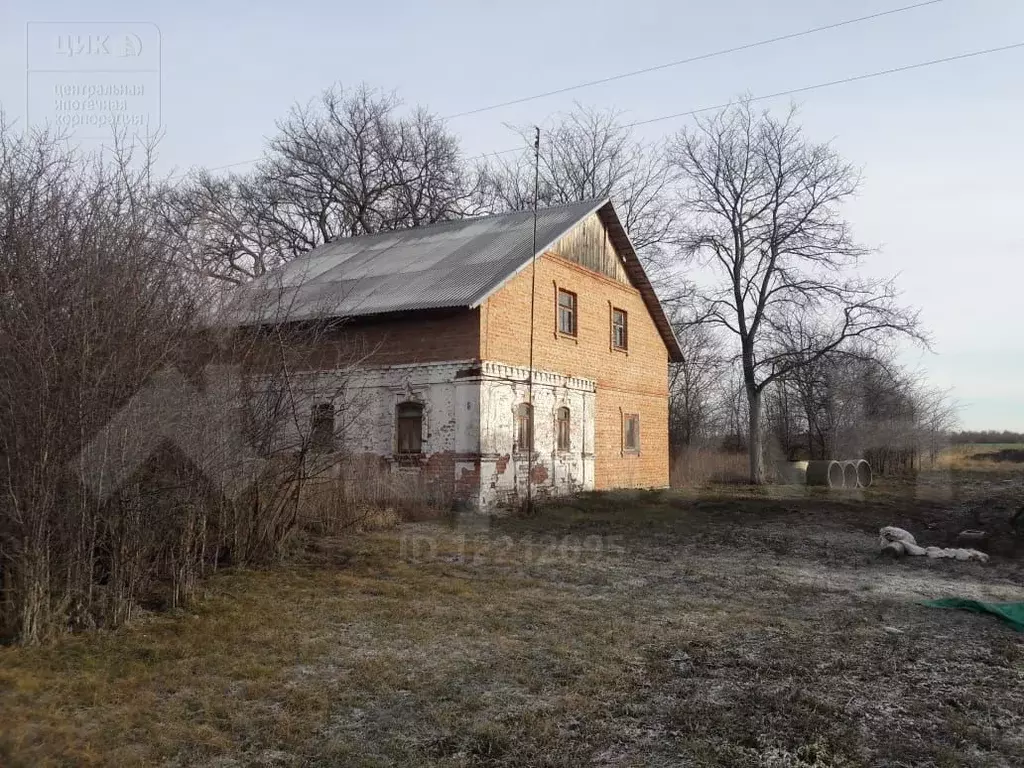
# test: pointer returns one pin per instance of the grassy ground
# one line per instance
(738, 628)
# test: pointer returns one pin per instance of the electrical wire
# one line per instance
(762, 97)
(843, 81)
(794, 91)
(657, 67)
(692, 59)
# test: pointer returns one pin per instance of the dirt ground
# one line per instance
(729, 627)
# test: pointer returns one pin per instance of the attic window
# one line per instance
(566, 312)
(620, 333)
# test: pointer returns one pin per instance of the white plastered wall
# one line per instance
(469, 414)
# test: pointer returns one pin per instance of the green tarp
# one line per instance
(1011, 613)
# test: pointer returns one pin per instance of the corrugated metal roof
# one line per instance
(453, 264)
(447, 265)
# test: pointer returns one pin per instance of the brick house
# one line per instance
(443, 312)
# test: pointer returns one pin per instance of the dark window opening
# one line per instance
(524, 427)
(410, 428)
(562, 432)
(620, 331)
(567, 312)
(321, 432)
(631, 432)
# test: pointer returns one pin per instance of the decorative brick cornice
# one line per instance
(491, 369)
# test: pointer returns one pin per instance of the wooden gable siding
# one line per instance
(588, 245)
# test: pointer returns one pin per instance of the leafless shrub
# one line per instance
(89, 308)
(854, 404)
(142, 444)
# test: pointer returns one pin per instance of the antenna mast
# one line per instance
(533, 294)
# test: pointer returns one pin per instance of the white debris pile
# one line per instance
(897, 542)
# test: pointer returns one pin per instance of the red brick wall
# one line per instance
(635, 381)
(421, 337)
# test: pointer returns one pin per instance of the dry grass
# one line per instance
(739, 628)
(700, 467)
(968, 457)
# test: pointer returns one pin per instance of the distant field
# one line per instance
(983, 456)
(990, 447)
(736, 627)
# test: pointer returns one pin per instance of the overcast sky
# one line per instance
(941, 147)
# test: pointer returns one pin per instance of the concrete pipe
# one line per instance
(826, 473)
(864, 474)
(850, 474)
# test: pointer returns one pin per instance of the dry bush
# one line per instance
(137, 451)
(354, 494)
(90, 308)
(700, 466)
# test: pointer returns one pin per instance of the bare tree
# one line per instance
(348, 163)
(588, 154)
(762, 206)
(852, 403)
(695, 391)
(220, 227)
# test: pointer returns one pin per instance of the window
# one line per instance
(321, 432)
(409, 429)
(566, 312)
(631, 432)
(562, 428)
(620, 334)
(524, 427)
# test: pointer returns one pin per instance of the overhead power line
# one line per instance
(843, 81)
(762, 97)
(692, 59)
(802, 89)
(655, 68)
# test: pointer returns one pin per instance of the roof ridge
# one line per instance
(590, 202)
(459, 267)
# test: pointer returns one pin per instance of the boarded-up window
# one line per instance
(620, 333)
(631, 432)
(524, 427)
(567, 312)
(562, 428)
(410, 428)
(321, 431)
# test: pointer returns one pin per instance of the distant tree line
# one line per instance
(986, 436)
